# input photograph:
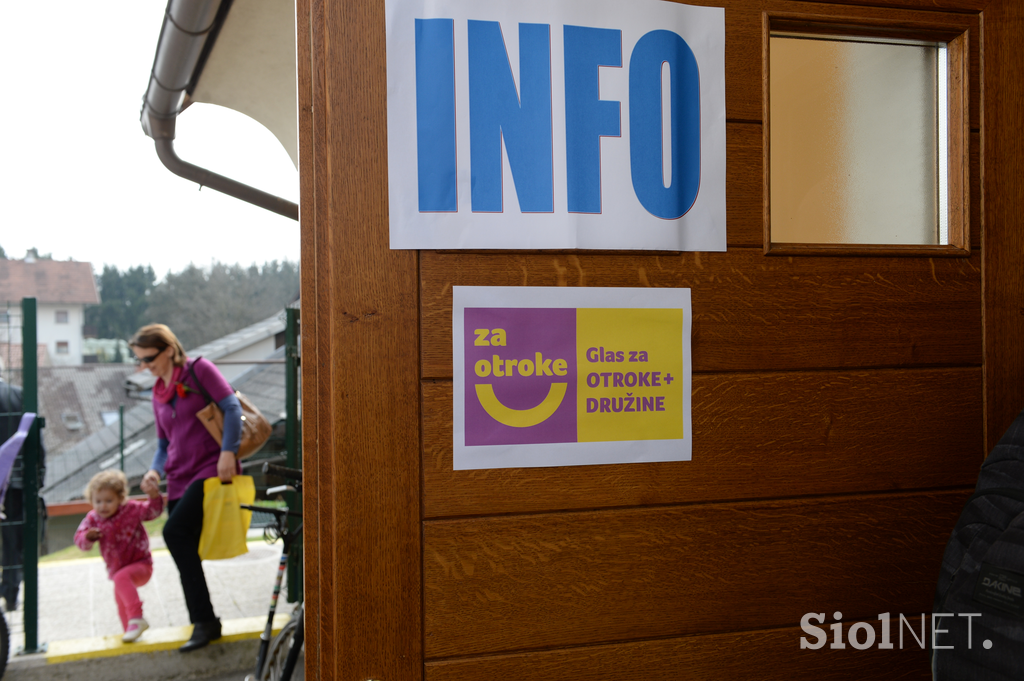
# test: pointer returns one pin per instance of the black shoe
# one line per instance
(202, 634)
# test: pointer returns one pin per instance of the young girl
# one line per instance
(116, 522)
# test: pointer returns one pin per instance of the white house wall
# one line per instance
(50, 332)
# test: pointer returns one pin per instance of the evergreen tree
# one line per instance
(123, 301)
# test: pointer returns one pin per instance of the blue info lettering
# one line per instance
(520, 116)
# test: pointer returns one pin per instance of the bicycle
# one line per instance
(279, 655)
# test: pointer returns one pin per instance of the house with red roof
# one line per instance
(62, 289)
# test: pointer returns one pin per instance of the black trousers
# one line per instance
(181, 533)
(12, 533)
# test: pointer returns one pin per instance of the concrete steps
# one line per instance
(154, 656)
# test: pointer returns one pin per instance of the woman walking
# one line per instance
(187, 454)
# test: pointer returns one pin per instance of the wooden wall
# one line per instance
(841, 407)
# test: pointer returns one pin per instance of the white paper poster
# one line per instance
(530, 124)
(570, 376)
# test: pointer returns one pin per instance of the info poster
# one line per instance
(570, 376)
(531, 124)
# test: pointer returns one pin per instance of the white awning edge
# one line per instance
(251, 68)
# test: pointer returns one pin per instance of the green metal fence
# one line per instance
(18, 352)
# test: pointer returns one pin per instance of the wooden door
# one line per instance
(841, 408)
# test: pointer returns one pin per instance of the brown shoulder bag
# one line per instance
(256, 428)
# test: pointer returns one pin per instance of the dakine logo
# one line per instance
(1000, 589)
(862, 635)
(1001, 586)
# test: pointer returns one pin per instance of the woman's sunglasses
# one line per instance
(147, 360)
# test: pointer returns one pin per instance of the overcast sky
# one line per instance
(81, 180)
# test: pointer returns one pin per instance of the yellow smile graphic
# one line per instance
(520, 418)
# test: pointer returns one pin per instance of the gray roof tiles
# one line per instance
(78, 395)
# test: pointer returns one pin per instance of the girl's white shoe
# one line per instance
(134, 630)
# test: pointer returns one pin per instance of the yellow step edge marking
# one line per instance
(154, 640)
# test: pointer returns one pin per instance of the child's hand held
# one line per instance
(93, 534)
(150, 487)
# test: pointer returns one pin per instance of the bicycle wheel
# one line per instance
(280, 646)
(294, 659)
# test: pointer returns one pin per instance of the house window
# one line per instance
(62, 316)
(5, 317)
(62, 347)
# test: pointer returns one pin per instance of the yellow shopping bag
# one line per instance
(224, 523)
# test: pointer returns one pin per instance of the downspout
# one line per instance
(189, 30)
(206, 178)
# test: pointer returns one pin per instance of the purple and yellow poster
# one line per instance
(570, 376)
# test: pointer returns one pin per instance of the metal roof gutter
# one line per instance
(188, 33)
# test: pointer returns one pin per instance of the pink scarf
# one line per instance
(164, 392)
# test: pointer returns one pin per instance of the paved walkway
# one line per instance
(76, 599)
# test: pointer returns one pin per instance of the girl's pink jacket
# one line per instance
(123, 539)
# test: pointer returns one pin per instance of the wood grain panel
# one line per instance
(744, 185)
(942, 5)
(1004, 225)
(317, 397)
(754, 436)
(515, 583)
(752, 312)
(975, 189)
(743, 71)
(364, 448)
(766, 655)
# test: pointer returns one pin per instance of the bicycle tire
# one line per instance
(277, 654)
(298, 647)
